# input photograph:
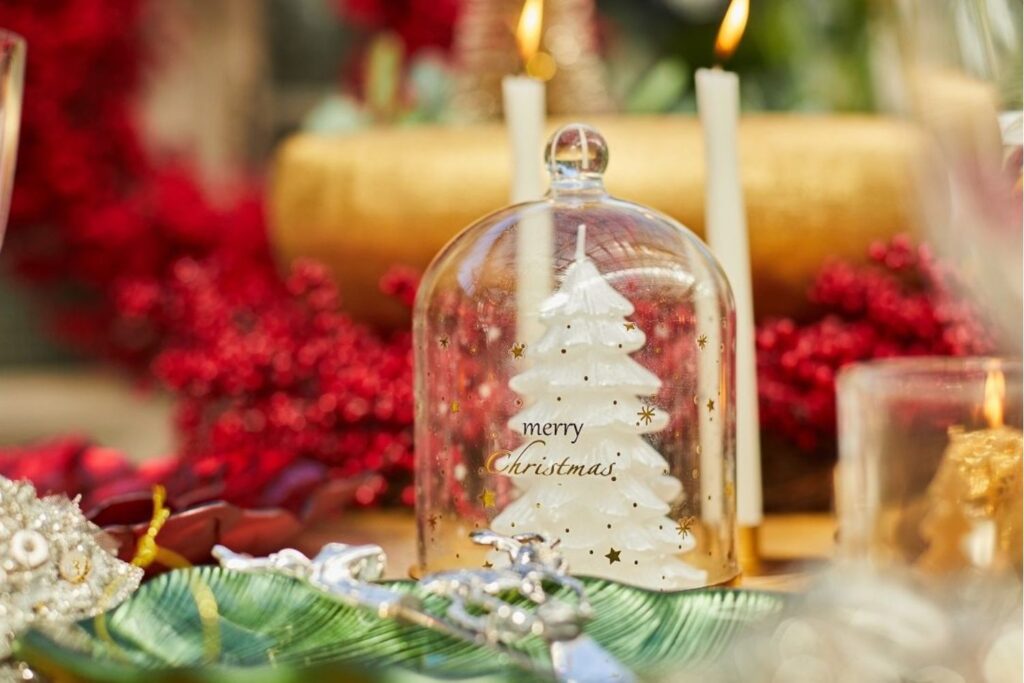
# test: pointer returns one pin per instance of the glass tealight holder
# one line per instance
(575, 378)
(930, 465)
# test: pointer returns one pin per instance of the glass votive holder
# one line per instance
(930, 464)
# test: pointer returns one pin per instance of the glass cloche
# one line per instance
(575, 377)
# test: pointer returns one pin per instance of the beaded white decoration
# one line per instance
(53, 568)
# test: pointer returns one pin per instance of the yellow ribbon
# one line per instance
(147, 551)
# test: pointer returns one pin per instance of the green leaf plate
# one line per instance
(269, 628)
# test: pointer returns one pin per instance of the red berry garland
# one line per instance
(90, 210)
(277, 389)
(901, 304)
(274, 382)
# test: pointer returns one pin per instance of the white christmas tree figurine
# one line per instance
(585, 473)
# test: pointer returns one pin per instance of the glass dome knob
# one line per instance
(576, 156)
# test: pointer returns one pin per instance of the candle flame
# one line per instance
(995, 395)
(732, 27)
(529, 29)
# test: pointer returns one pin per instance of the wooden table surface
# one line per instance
(793, 547)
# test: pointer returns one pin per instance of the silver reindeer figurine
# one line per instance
(534, 565)
(477, 611)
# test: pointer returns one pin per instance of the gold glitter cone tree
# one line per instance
(585, 473)
(485, 51)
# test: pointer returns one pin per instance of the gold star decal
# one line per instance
(518, 350)
(630, 326)
(702, 341)
(683, 525)
(443, 341)
(455, 407)
(432, 521)
(487, 498)
(613, 555)
(711, 405)
(646, 414)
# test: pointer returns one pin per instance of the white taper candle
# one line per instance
(726, 234)
(524, 120)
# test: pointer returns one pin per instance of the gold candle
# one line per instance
(975, 500)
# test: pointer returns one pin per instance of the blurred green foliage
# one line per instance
(804, 55)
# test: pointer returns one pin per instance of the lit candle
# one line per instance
(524, 106)
(726, 234)
(973, 517)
